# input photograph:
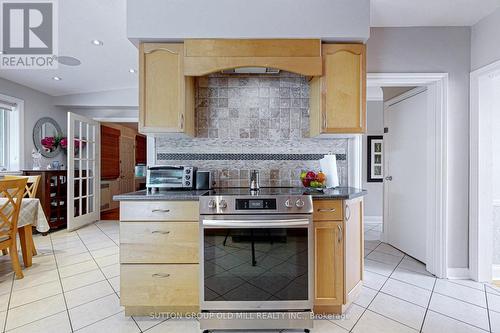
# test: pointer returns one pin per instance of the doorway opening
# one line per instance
(123, 161)
(409, 91)
(484, 199)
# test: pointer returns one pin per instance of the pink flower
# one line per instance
(48, 142)
(64, 143)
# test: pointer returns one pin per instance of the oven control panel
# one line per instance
(279, 204)
(260, 204)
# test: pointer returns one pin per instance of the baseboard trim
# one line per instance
(373, 219)
(495, 272)
(458, 273)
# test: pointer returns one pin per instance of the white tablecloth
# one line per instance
(31, 213)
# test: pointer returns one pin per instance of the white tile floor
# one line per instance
(73, 286)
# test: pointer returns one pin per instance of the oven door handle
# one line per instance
(257, 223)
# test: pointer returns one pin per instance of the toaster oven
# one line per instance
(170, 177)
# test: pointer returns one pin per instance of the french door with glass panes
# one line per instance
(84, 174)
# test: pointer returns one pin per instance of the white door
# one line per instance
(405, 172)
(84, 176)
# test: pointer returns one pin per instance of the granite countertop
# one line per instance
(338, 193)
(176, 195)
(187, 195)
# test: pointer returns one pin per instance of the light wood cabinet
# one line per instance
(338, 254)
(166, 96)
(159, 256)
(159, 242)
(338, 97)
(328, 259)
(159, 288)
(159, 211)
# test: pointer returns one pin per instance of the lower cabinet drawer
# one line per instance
(159, 242)
(159, 211)
(159, 285)
(328, 210)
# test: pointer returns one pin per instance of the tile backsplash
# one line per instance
(252, 122)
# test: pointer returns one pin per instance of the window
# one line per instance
(4, 148)
(11, 133)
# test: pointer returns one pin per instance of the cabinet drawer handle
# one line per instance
(160, 232)
(160, 275)
(347, 212)
(329, 210)
(160, 210)
(339, 239)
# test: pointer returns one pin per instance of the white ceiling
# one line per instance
(107, 67)
(414, 13)
(103, 67)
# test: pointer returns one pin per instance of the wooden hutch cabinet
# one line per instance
(52, 194)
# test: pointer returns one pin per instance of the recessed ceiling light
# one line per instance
(56, 78)
(97, 42)
(132, 70)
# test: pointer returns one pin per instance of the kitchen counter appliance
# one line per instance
(257, 259)
(168, 177)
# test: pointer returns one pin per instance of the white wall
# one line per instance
(496, 168)
(374, 126)
(99, 113)
(127, 98)
(485, 41)
(440, 49)
(36, 106)
(173, 20)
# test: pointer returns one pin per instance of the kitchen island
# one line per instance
(160, 241)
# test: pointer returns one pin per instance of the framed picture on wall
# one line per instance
(375, 158)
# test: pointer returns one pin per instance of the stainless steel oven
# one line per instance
(164, 177)
(257, 256)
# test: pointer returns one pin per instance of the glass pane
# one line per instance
(77, 129)
(76, 207)
(2, 137)
(91, 186)
(91, 204)
(90, 150)
(77, 187)
(271, 264)
(83, 133)
(91, 168)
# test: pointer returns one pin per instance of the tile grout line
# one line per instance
(62, 288)
(140, 330)
(460, 300)
(462, 285)
(428, 304)
(107, 235)
(8, 303)
(455, 319)
(487, 309)
(366, 309)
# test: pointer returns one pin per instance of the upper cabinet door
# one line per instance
(338, 98)
(166, 97)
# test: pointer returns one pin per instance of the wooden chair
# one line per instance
(31, 185)
(13, 192)
(29, 192)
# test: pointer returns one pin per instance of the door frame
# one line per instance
(437, 196)
(480, 171)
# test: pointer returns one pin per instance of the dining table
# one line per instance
(30, 215)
